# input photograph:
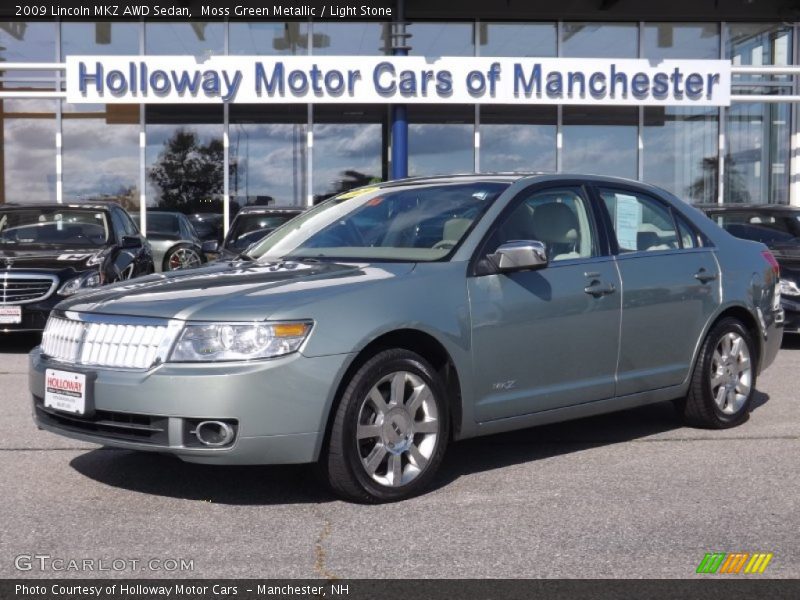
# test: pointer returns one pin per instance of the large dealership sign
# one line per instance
(396, 79)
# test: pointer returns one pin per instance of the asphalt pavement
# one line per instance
(632, 494)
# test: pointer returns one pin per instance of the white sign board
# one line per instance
(396, 79)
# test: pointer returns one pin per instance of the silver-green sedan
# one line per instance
(373, 330)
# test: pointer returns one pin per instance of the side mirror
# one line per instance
(210, 246)
(130, 242)
(521, 255)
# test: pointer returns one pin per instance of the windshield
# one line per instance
(248, 229)
(160, 222)
(421, 222)
(53, 227)
(764, 228)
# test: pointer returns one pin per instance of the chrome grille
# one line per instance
(128, 345)
(23, 288)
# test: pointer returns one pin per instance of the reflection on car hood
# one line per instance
(50, 259)
(231, 291)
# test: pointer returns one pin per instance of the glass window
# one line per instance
(53, 227)
(184, 158)
(196, 38)
(268, 154)
(516, 39)
(601, 140)
(680, 150)
(757, 134)
(22, 41)
(686, 233)
(519, 138)
(559, 218)
(641, 224)
(760, 227)
(681, 40)
(441, 39)
(600, 40)
(404, 223)
(102, 37)
(757, 153)
(351, 39)
(441, 139)
(100, 153)
(347, 148)
(28, 158)
(268, 38)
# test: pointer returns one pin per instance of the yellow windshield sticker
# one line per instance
(357, 192)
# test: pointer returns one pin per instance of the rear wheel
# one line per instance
(390, 431)
(724, 378)
(182, 257)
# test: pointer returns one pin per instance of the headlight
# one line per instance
(238, 341)
(81, 282)
(789, 288)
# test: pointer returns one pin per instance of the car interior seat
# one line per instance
(556, 225)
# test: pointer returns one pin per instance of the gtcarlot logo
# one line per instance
(734, 562)
(46, 562)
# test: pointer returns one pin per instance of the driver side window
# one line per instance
(557, 217)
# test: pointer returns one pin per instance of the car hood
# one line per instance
(48, 259)
(788, 251)
(232, 291)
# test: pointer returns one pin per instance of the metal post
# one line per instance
(794, 138)
(59, 123)
(399, 115)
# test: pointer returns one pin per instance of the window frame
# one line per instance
(598, 227)
(597, 187)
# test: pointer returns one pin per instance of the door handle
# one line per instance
(704, 276)
(598, 288)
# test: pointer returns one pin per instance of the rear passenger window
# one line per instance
(641, 223)
(687, 234)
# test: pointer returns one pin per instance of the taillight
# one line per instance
(776, 268)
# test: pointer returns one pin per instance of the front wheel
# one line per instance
(390, 430)
(724, 378)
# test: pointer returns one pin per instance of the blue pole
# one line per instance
(399, 114)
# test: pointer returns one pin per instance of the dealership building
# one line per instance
(217, 156)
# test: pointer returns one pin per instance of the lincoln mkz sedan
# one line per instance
(371, 331)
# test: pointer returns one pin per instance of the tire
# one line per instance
(182, 256)
(372, 431)
(724, 378)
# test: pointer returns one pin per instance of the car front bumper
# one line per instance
(278, 407)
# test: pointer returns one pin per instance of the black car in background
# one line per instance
(777, 227)
(51, 251)
(252, 224)
(208, 226)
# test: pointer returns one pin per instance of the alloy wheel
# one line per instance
(398, 429)
(731, 373)
(184, 258)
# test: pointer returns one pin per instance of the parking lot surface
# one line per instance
(632, 494)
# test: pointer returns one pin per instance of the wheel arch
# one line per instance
(419, 342)
(744, 315)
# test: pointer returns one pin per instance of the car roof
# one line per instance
(56, 205)
(514, 176)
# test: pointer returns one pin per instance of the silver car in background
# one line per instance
(371, 331)
(173, 240)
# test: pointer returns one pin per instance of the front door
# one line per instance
(547, 338)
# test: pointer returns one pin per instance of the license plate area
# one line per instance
(10, 315)
(69, 391)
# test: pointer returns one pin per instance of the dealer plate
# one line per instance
(10, 315)
(65, 391)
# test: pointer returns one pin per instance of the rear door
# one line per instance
(670, 288)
